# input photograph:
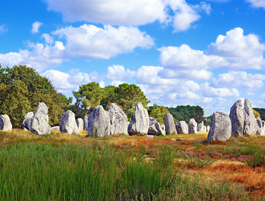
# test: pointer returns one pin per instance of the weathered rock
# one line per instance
(260, 129)
(182, 127)
(118, 120)
(154, 127)
(68, 123)
(163, 129)
(220, 127)
(85, 123)
(27, 120)
(80, 124)
(149, 136)
(140, 121)
(55, 128)
(237, 119)
(39, 122)
(207, 128)
(200, 127)
(250, 123)
(169, 124)
(204, 129)
(5, 123)
(98, 122)
(192, 126)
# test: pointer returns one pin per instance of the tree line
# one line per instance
(22, 88)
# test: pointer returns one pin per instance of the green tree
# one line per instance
(261, 111)
(256, 113)
(158, 112)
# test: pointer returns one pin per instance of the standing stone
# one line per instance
(118, 120)
(200, 127)
(154, 127)
(207, 128)
(27, 120)
(220, 127)
(163, 129)
(140, 121)
(204, 129)
(182, 127)
(5, 123)
(260, 130)
(192, 126)
(55, 128)
(68, 123)
(98, 122)
(237, 119)
(80, 124)
(85, 123)
(39, 122)
(169, 124)
(250, 123)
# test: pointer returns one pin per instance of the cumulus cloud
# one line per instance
(48, 38)
(89, 41)
(3, 29)
(35, 27)
(239, 78)
(118, 72)
(209, 91)
(130, 13)
(257, 3)
(116, 82)
(239, 51)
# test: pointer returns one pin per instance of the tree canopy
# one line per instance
(158, 112)
(22, 88)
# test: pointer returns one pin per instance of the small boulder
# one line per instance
(237, 119)
(204, 129)
(68, 123)
(140, 121)
(118, 120)
(208, 128)
(55, 128)
(27, 120)
(80, 124)
(200, 127)
(5, 123)
(192, 126)
(40, 120)
(260, 130)
(85, 123)
(220, 127)
(169, 124)
(99, 122)
(182, 127)
(163, 129)
(250, 123)
(154, 127)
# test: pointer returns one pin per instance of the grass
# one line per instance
(120, 167)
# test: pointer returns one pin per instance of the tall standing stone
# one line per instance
(5, 123)
(98, 122)
(182, 127)
(154, 127)
(80, 124)
(260, 130)
(68, 123)
(27, 120)
(207, 128)
(118, 120)
(237, 119)
(169, 124)
(40, 120)
(192, 126)
(220, 127)
(86, 123)
(204, 129)
(250, 123)
(140, 121)
(200, 127)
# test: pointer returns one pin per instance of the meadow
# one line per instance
(120, 167)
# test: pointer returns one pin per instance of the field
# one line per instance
(173, 167)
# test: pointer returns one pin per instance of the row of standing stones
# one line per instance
(114, 121)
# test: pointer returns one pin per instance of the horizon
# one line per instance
(208, 53)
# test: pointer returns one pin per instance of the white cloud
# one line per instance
(132, 13)
(117, 82)
(188, 95)
(10, 59)
(3, 29)
(35, 27)
(209, 91)
(48, 38)
(239, 51)
(239, 78)
(118, 72)
(262, 96)
(89, 41)
(257, 3)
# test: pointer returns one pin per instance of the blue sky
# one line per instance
(208, 53)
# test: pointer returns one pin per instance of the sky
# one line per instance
(179, 52)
